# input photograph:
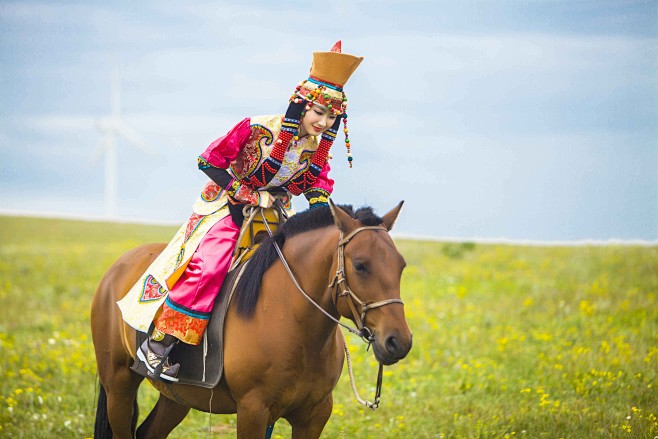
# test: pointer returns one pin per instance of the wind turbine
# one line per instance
(111, 128)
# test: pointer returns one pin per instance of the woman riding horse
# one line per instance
(256, 162)
(282, 356)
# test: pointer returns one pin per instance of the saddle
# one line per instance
(255, 228)
(203, 365)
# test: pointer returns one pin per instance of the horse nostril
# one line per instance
(392, 345)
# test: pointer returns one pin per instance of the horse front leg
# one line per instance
(121, 389)
(252, 421)
(309, 423)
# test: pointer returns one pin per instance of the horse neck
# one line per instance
(313, 261)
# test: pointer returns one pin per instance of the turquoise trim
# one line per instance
(187, 312)
(203, 163)
(333, 87)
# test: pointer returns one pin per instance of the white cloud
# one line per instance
(453, 121)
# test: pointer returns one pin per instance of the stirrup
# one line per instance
(159, 369)
(158, 366)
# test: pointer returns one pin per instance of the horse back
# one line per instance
(126, 270)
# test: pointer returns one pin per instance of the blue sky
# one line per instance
(492, 119)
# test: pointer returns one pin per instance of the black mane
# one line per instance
(320, 217)
(311, 219)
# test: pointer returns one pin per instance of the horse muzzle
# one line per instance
(391, 349)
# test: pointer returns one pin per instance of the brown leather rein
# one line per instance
(359, 318)
(340, 282)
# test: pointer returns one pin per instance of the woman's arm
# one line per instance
(224, 150)
(319, 194)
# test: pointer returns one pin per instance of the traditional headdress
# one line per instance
(324, 86)
(329, 73)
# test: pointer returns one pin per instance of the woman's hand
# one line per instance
(241, 194)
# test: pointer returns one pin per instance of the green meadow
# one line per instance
(509, 341)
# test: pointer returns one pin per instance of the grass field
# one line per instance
(509, 341)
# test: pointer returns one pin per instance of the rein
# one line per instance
(340, 279)
(365, 333)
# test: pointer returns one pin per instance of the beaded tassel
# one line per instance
(346, 131)
(319, 95)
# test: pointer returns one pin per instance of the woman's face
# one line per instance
(316, 121)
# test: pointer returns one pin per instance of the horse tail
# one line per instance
(135, 417)
(102, 429)
(249, 284)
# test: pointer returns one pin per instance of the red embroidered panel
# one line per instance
(251, 154)
(192, 224)
(186, 328)
(152, 290)
(211, 191)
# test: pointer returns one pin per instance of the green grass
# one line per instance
(509, 341)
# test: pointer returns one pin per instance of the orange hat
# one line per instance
(334, 67)
(329, 73)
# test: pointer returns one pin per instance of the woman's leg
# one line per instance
(186, 312)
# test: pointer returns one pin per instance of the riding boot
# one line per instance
(154, 352)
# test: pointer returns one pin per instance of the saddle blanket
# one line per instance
(202, 365)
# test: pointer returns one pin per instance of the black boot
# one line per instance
(154, 352)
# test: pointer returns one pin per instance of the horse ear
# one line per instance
(342, 220)
(392, 216)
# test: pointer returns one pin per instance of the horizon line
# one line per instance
(407, 236)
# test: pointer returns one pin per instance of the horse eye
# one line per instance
(360, 267)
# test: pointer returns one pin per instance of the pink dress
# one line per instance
(187, 308)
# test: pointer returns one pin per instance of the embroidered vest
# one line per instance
(297, 171)
(262, 164)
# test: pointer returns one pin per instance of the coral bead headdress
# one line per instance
(324, 86)
(329, 73)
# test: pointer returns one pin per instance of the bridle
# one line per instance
(359, 318)
(340, 282)
(339, 279)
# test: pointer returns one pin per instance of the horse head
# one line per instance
(368, 289)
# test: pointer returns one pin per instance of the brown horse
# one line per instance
(283, 357)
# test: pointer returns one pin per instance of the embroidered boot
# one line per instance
(154, 352)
